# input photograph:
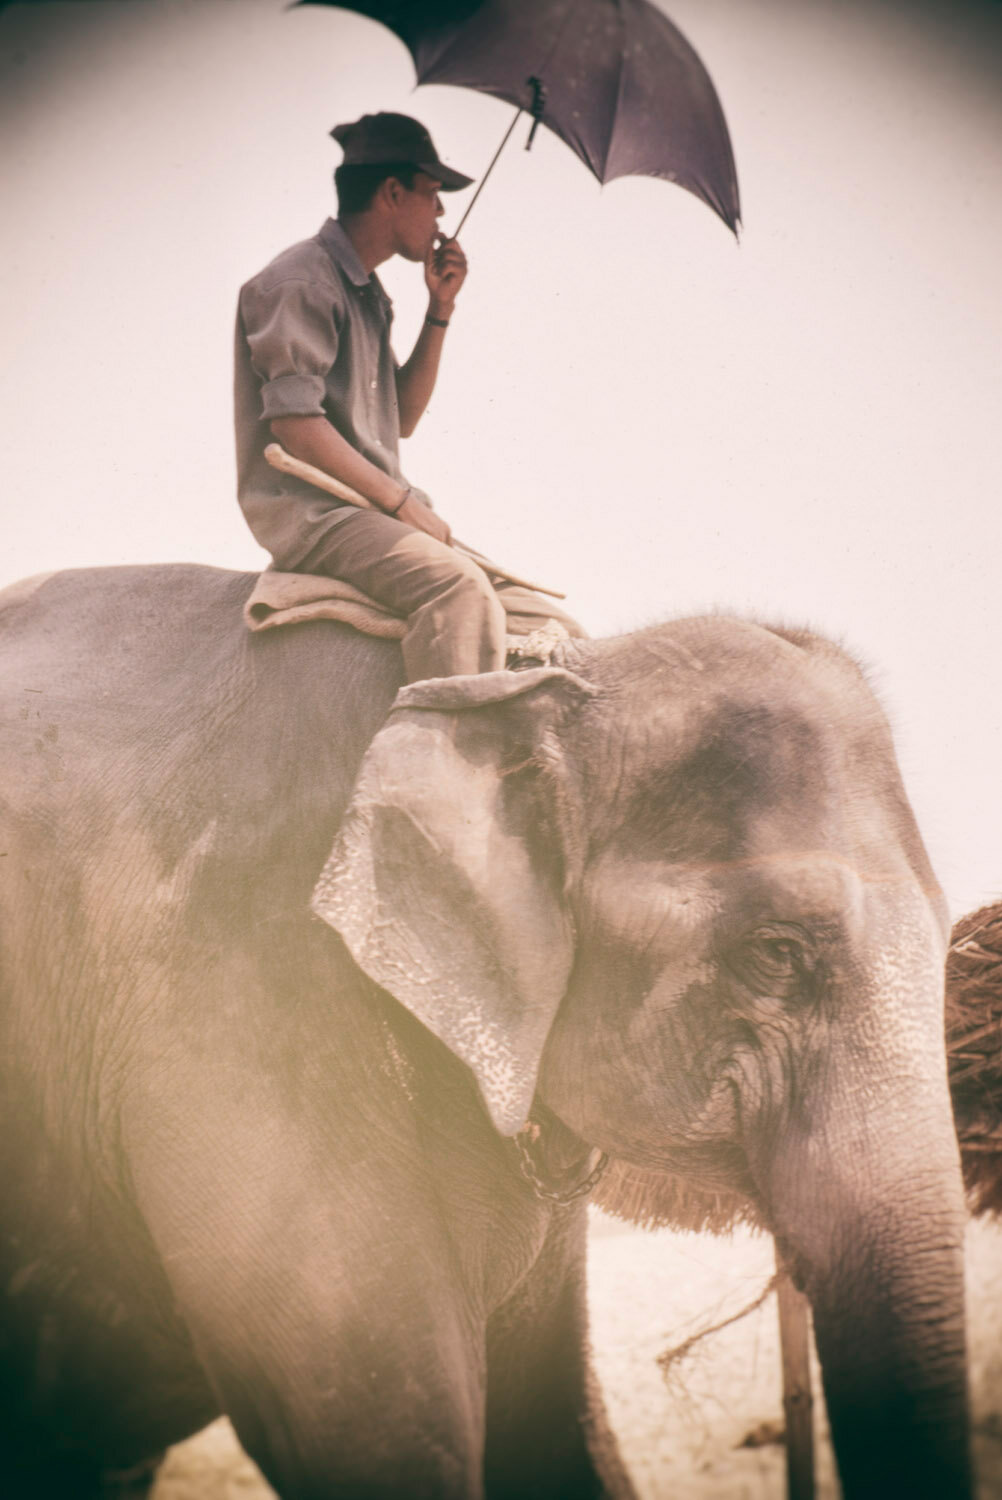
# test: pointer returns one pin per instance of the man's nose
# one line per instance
(439, 207)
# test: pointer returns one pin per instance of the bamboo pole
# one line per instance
(286, 464)
(798, 1400)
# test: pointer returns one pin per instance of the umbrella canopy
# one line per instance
(614, 79)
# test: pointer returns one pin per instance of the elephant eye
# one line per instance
(780, 953)
(772, 962)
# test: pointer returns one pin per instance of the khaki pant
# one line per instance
(456, 619)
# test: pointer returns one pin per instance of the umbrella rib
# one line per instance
(620, 81)
(571, 7)
(449, 47)
(456, 41)
(582, 150)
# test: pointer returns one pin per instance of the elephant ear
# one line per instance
(447, 880)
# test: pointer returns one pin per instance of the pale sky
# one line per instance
(633, 408)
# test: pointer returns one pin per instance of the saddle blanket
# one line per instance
(296, 598)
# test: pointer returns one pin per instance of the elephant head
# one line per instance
(674, 887)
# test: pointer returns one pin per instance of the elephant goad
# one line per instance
(288, 960)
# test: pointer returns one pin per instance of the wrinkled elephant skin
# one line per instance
(285, 971)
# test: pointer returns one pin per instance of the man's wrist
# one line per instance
(439, 313)
(396, 509)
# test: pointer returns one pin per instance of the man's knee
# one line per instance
(455, 574)
(477, 591)
(471, 577)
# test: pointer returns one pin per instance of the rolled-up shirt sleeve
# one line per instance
(291, 327)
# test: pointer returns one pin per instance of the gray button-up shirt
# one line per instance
(312, 339)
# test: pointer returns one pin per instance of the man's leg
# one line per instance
(455, 622)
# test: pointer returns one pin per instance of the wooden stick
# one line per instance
(798, 1401)
(286, 464)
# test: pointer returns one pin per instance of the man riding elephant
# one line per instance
(314, 365)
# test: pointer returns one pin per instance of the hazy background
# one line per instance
(632, 407)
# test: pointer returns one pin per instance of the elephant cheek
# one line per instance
(618, 1065)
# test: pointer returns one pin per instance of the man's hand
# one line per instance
(423, 518)
(444, 274)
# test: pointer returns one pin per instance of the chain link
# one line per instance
(562, 1196)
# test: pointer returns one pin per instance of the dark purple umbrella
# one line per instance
(614, 79)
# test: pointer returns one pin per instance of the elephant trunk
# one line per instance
(868, 1210)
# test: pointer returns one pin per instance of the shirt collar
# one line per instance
(343, 252)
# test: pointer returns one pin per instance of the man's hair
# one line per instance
(356, 186)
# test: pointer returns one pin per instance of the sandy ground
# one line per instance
(649, 1291)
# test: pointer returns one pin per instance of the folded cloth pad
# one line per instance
(294, 598)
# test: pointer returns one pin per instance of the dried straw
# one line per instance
(655, 1200)
(974, 1051)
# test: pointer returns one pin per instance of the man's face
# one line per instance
(416, 215)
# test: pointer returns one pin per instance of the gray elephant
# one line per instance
(287, 966)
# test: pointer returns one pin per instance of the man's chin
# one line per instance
(416, 253)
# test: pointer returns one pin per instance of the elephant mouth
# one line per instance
(558, 1165)
(690, 1192)
(714, 1168)
(706, 1183)
(689, 1187)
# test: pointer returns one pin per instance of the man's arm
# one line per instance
(316, 442)
(444, 274)
(292, 336)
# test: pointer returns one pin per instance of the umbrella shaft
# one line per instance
(490, 169)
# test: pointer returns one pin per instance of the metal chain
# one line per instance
(562, 1196)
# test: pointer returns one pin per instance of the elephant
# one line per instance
(327, 1000)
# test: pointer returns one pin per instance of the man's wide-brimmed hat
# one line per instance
(375, 140)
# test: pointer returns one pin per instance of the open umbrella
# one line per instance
(614, 79)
